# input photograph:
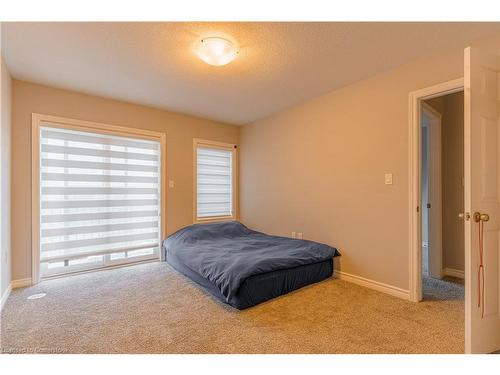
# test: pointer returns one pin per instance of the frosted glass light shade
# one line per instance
(216, 51)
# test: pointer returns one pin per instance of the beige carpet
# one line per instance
(150, 308)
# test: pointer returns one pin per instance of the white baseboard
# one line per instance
(21, 283)
(372, 284)
(453, 273)
(4, 296)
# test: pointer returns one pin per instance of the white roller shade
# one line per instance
(214, 182)
(99, 199)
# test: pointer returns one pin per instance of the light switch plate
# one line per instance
(299, 235)
(170, 183)
(294, 235)
(388, 178)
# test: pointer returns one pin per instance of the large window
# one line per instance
(214, 180)
(99, 199)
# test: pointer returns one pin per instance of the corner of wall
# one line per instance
(5, 180)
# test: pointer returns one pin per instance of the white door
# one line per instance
(482, 195)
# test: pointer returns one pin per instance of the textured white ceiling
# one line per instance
(279, 65)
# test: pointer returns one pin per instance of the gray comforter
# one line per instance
(227, 253)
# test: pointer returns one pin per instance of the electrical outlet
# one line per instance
(299, 235)
(171, 183)
(294, 235)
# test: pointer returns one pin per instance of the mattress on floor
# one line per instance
(262, 287)
(243, 267)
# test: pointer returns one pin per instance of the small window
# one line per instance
(214, 180)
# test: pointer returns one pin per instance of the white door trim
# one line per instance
(414, 196)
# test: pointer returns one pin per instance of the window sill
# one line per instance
(214, 219)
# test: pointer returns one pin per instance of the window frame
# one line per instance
(38, 121)
(233, 147)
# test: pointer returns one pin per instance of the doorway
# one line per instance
(417, 102)
(481, 87)
(442, 191)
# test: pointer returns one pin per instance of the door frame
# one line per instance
(415, 99)
(435, 215)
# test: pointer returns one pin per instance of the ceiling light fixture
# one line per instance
(216, 51)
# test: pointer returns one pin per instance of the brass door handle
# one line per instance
(481, 217)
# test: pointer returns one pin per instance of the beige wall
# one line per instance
(318, 168)
(180, 130)
(451, 108)
(5, 178)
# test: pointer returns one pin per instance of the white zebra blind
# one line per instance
(99, 200)
(214, 181)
